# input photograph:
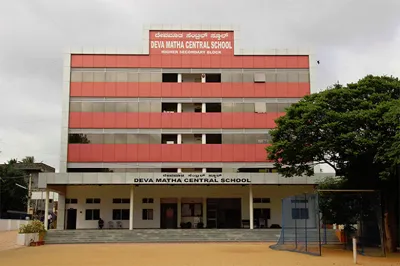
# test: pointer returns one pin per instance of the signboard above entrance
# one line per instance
(201, 178)
(191, 42)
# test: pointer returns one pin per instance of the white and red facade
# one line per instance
(175, 132)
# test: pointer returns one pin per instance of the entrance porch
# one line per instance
(173, 206)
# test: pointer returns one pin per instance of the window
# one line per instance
(120, 214)
(169, 77)
(93, 201)
(123, 200)
(92, 214)
(71, 201)
(259, 77)
(260, 107)
(147, 200)
(192, 209)
(299, 201)
(261, 200)
(300, 213)
(213, 78)
(147, 214)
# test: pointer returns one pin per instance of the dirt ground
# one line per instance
(8, 240)
(176, 255)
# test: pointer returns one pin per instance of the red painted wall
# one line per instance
(172, 120)
(167, 153)
(191, 61)
(176, 90)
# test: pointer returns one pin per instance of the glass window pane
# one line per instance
(155, 107)
(98, 107)
(227, 138)
(154, 138)
(293, 76)
(143, 139)
(260, 107)
(116, 214)
(109, 107)
(226, 77)
(120, 138)
(95, 138)
(304, 76)
(96, 214)
(111, 76)
(238, 139)
(144, 77)
(238, 108)
(248, 108)
(270, 76)
(122, 76)
(99, 76)
(75, 107)
(109, 139)
(132, 107)
(281, 77)
(227, 107)
(248, 77)
(131, 139)
(76, 76)
(281, 107)
(272, 107)
(156, 77)
(88, 215)
(125, 214)
(87, 76)
(145, 107)
(237, 77)
(133, 77)
(120, 107)
(87, 107)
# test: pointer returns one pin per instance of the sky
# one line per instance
(351, 38)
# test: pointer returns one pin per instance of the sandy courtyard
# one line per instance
(174, 255)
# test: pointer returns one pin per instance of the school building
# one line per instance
(173, 134)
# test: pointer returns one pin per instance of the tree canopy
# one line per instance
(355, 129)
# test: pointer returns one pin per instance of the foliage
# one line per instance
(28, 159)
(12, 196)
(353, 128)
(34, 226)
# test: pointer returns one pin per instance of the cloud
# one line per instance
(351, 38)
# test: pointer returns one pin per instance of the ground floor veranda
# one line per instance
(174, 206)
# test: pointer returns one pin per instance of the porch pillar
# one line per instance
(61, 212)
(179, 214)
(131, 208)
(205, 212)
(251, 210)
(46, 209)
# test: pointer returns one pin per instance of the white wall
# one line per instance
(107, 193)
(11, 225)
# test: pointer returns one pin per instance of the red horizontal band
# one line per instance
(167, 153)
(191, 90)
(172, 120)
(191, 61)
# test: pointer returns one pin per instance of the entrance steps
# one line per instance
(161, 236)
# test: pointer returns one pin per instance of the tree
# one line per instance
(12, 197)
(28, 159)
(356, 130)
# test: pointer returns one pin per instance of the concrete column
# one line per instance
(251, 210)
(179, 107)
(179, 170)
(46, 209)
(179, 139)
(179, 213)
(61, 212)
(205, 212)
(131, 207)
(203, 78)
(179, 78)
(203, 139)
(204, 170)
(203, 107)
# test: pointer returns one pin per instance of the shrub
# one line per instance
(34, 226)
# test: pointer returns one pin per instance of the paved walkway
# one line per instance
(8, 240)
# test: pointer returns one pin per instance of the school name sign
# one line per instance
(191, 179)
(192, 43)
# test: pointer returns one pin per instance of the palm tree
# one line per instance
(28, 159)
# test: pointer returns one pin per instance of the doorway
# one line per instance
(169, 215)
(71, 219)
(224, 213)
